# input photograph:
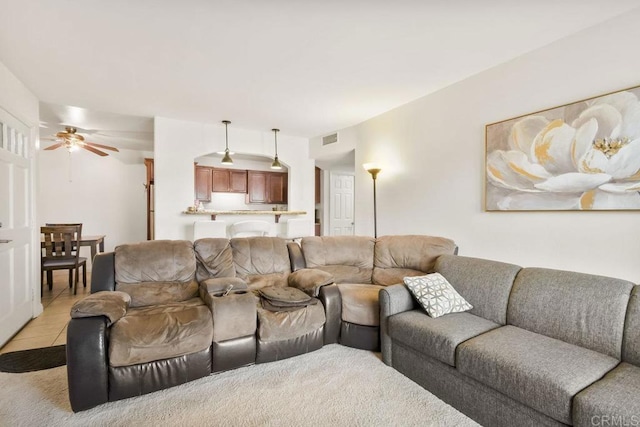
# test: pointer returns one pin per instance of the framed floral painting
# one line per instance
(580, 156)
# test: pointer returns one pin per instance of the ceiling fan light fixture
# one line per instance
(276, 162)
(72, 141)
(226, 160)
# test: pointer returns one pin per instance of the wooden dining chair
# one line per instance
(62, 252)
(51, 224)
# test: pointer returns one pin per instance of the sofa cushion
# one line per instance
(396, 257)
(153, 293)
(215, 258)
(360, 303)
(582, 309)
(437, 338)
(436, 295)
(631, 343)
(348, 258)
(284, 325)
(615, 397)
(533, 369)
(156, 272)
(160, 332)
(483, 283)
(155, 261)
(261, 261)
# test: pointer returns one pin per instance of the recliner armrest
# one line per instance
(310, 280)
(87, 364)
(111, 304)
(222, 284)
(103, 273)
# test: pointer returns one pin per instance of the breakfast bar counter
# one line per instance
(275, 214)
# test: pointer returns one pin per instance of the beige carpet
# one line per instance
(336, 386)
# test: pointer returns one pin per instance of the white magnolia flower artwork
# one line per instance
(582, 156)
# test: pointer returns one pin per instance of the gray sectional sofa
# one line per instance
(540, 347)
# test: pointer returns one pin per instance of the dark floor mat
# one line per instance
(35, 359)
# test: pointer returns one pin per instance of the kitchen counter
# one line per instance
(276, 214)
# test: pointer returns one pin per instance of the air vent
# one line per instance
(330, 139)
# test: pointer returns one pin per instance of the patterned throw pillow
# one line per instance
(436, 295)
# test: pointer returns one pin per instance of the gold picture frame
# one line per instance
(582, 156)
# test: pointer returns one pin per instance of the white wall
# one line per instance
(177, 143)
(105, 194)
(432, 155)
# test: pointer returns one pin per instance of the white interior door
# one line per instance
(16, 226)
(341, 218)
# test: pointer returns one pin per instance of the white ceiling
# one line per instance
(306, 67)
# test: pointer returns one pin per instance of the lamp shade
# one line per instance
(372, 168)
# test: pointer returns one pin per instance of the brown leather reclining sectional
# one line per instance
(163, 313)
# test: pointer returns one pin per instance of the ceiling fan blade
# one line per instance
(93, 150)
(106, 147)
(54, 146)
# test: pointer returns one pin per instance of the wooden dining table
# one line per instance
(95, 242)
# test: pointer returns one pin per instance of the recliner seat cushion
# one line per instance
(439, 337)
(156, 272)
(284, 325)
(617, 394)
(215, 258)
(154, 293)
(396, 257)
(161, 332)
(360, 303)
(261, 261)
(540, 372)
(348, 258)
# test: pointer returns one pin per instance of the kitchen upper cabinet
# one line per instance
(257, 187)
(229, 180)
(220, 180)
(203, 183)
(267, 187)
(277, 188)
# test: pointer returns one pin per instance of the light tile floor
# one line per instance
(50, 328)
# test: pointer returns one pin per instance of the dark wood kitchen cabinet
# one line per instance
(277, 188)
(267, 187)
(203, 183)
(229, 180)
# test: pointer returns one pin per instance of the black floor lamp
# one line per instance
(373, 169)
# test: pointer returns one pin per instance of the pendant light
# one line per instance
(276, 163)
(226, 160)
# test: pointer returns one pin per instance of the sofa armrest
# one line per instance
(330, 297)
(393, 300)
(234, 315)
(223, 284)
(87, 365)
(111, 304)
(103, 273)
(310, 280)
